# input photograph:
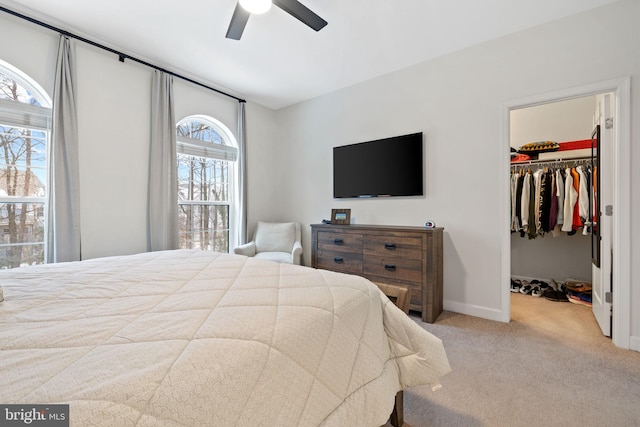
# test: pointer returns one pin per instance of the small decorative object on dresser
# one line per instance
(410, 257)
(340, 216)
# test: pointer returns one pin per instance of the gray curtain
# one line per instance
(162, 214)
(242, 174)
(63, 230)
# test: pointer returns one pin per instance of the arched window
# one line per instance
(207, 154)
(25, 123)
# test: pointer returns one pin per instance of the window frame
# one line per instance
(18, 114)
(228, 152)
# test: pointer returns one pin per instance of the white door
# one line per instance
(601, 275)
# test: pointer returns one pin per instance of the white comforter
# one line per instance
(196, 338)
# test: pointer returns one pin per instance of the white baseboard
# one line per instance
(634, 343)
(473, 310)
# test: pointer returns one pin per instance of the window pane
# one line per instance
(204, 227)
(22, 234)
(11, 90)
(22, 162)
(201, 131)
(203, 179)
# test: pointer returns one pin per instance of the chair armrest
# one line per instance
(248, 249)
(296, 253)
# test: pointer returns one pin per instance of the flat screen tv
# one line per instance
(384, 167)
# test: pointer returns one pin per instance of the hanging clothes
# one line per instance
(525, 200)
(546, 194)
(584, 198)
(538, 184)
(515, 213)
(570, 199)
(531, 229)
(557, 230)
(594, 199)
(552, 200)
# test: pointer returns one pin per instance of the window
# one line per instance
(25, 112)
(207, 153)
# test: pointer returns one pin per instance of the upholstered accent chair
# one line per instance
(275, 241)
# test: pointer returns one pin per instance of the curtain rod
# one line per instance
(121, 56)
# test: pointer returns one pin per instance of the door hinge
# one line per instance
(608, 123)
(608, 297)
(608, 210)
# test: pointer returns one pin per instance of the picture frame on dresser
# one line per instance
(340, 216)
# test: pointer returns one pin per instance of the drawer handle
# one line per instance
(338, 260)
(389, 245)
(390, 267)
(338, 241)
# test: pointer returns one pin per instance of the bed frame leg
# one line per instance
(397, 416)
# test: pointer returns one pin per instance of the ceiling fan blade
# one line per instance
(238, 22)
(302, 13)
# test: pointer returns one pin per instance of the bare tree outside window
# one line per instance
(22, 189)
(203, 193)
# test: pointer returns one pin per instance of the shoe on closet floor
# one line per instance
(577, 286)
(553, 295)
(544, 286)
(536, 291)
(515, 285)
(526, 288)
(555, 285)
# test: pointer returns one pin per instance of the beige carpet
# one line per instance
(550, 366)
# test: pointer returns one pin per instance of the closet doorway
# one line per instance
(547, 258)
(618, 169)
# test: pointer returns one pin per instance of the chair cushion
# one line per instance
(275, 237)
(283, 257)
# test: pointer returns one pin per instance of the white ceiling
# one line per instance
(279, 61)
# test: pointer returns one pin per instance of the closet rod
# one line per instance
(121, 56)
(538, 162)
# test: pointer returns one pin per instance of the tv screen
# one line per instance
(385, 167)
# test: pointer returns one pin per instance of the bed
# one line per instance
(194, 338)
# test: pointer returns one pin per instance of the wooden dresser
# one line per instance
(403, 256)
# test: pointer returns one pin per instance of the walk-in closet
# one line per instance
(554, 206)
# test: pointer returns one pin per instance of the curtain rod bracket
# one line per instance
(121, 57)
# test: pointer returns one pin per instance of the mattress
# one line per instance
(194, 338)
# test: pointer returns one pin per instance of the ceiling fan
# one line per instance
(244, 9)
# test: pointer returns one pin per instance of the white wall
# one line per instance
(264, 152)
(562, 121)
(457, 101)
(113, 136)
(558, 256)
(114, 131)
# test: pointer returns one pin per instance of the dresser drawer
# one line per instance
(404, 269)
(340, 242)
(343, 262)
(391, 245)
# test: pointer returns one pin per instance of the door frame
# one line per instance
(621, 265)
